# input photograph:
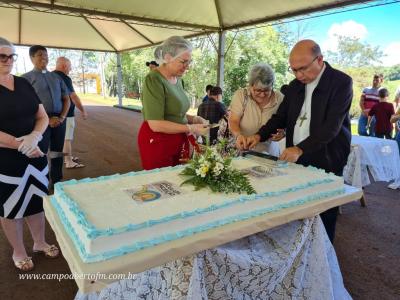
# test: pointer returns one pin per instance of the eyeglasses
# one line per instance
(262, 91)
(302, 69)
(4, 57)
(184, 62)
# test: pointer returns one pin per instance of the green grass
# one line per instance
(354, 129)
(109, 100)
(127, 102)
(392, 87)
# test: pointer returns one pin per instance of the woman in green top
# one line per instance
(163, 137)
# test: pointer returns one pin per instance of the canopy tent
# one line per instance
(121, 25)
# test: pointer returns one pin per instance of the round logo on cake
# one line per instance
(145, 196)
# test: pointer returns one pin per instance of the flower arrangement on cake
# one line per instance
(212, 167)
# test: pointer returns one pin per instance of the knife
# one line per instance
(260, 154)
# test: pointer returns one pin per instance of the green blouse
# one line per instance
(163, 100)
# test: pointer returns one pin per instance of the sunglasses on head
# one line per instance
(4, 57)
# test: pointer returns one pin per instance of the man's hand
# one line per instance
(280, 134)
(54, 122)
(291, 154)
(84, 115)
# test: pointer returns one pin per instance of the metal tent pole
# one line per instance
(221, 59)
(119, 79)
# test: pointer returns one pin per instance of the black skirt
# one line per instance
(23, 183)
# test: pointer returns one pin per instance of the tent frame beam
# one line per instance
(297, 13)
(116, 16)
(99, 33)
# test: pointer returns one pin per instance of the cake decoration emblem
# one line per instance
(146, 195)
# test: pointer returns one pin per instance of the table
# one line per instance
(378, 156)
(140, 261)
(292, 261)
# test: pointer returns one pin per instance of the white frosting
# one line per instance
(107, 205)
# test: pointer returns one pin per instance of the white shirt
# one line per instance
(302, 127)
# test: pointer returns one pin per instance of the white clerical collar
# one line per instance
(316, 80)
(41, 71)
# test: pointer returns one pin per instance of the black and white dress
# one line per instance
(23, 181)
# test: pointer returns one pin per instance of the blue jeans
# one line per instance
(397, 138)
(387, 136)
(362, 126)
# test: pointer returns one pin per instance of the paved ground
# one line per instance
(367, 243)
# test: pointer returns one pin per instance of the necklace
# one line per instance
(303, 112)
(303, 118)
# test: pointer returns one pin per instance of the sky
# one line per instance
(377, 26)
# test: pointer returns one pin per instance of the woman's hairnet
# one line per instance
(6, 43)
(174, 46)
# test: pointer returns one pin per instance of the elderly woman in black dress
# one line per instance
(23, 166)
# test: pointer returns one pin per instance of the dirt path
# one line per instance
(367, 243)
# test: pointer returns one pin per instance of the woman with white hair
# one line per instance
(23, 166)
(165, 136)
(252, 106)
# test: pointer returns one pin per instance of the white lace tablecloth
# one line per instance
(379, 156)
(292, 261)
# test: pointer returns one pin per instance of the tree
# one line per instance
(245, 49)
(352, 52)
(250, 47)
(393, 73)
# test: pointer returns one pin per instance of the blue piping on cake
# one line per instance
(92, 232)
(139, 245)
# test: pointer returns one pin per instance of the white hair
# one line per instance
(6, 43)
(174, 46)
(261, 75)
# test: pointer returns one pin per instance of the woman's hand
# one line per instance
(29, 142)
(35, 153)
(198, 129)
(199, 120)
(252, 141)
(241, 142)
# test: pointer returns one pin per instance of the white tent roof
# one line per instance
(119, 25)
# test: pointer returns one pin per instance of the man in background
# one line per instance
(63, 68)
(213, 110)
(369, 97)
(208, 89)
(54, 95)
